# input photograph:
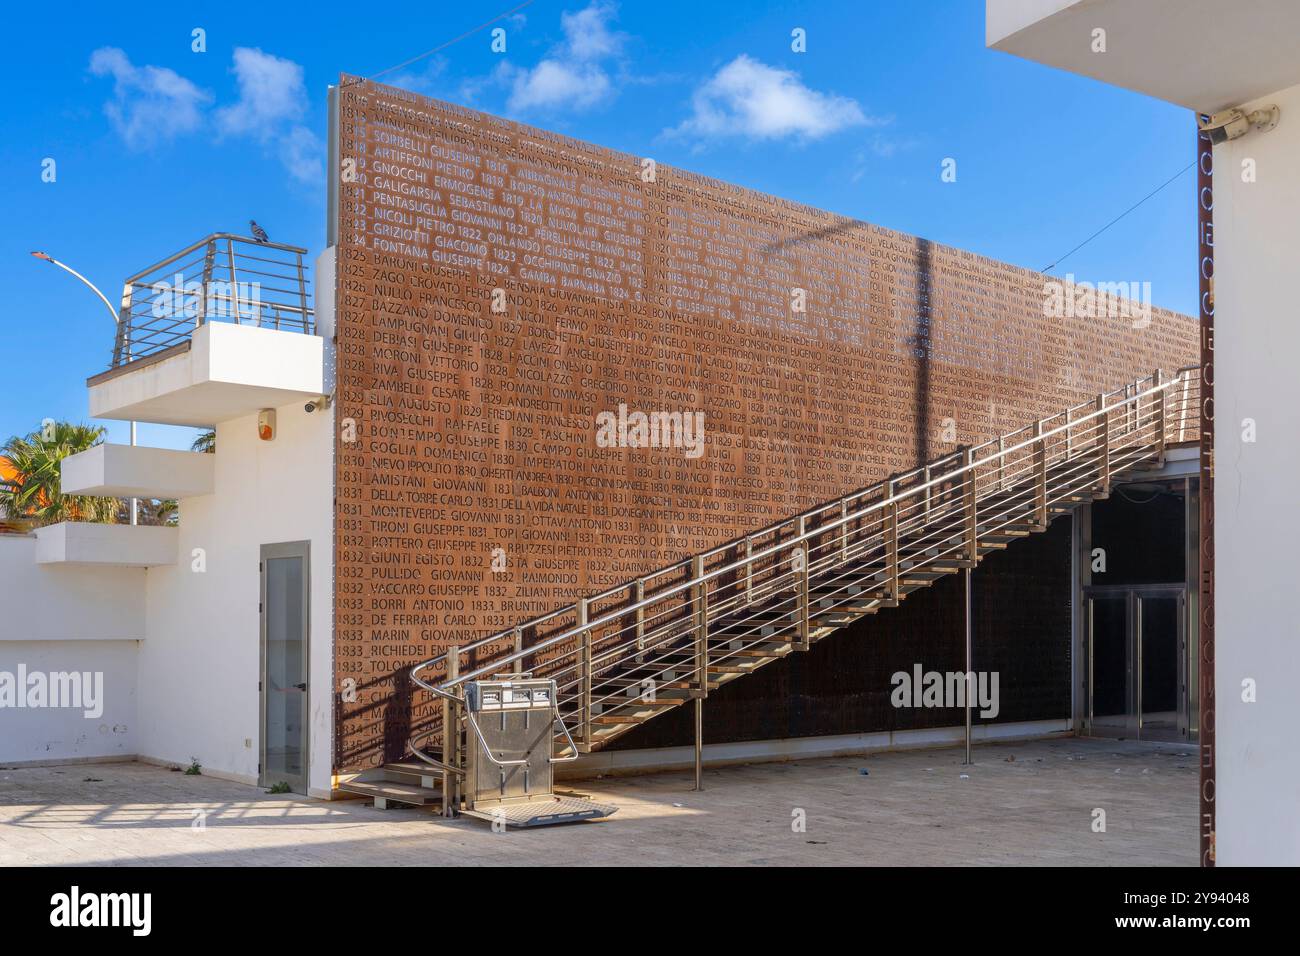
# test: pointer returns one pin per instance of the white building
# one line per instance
(1212, 56)
(159, 605)
(154, 609)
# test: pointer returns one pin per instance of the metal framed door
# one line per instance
(285, 625)
(1112, 705)
(1160, 643)
(1138, 662)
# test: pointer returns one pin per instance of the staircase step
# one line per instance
(384, 792)
(635, 703)
(413, 773)
(841, 621)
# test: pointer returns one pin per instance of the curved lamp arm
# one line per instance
(135, 502)
(90, 285)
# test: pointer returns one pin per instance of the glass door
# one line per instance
(1110, 664)
(284, 665)
(1137, 662)
(1161, 660)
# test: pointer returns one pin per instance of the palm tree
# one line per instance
(164, 511)
(205, 442)
(29, 484)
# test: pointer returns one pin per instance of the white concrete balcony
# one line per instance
(222, 371)
(127, 471)
(1206, 55)
(216, 331)
(113, 545)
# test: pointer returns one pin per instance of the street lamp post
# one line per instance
(135, 502)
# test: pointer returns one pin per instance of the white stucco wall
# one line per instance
(200, 666)
(64, 619)
(1257, 514)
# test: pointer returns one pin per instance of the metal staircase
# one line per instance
(629, 654)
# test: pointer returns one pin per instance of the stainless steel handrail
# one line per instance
(1083, 437)
(770, 551)
(1184, 375)
(555, 709)
(162, 305)
(198, 244)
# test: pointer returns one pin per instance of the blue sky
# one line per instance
(156, 145)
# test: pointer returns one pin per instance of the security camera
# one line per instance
(322, 402)
(1234, 123)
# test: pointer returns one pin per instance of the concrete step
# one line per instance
(414, 773)
(384, 792)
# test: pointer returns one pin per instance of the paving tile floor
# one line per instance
(1021, 803)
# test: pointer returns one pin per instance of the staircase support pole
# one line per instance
(891, 545)
(701, 601)
(519, 647)
(749, 571)
(844, 529)
(701, 663)
(1040, 478)
(699, 743)
(972, 515)
(1157, 379)
(584, 704)
(450, 802)
(1103, 443)
(803, 642)
(638, 595)
(970, 674)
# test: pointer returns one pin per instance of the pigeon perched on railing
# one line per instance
(258, 232)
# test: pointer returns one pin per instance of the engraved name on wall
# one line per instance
(503, 291)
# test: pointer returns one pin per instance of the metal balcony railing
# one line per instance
(223, 277)
(623, 656)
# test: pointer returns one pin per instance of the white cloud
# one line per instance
(751, 99)
(272, 96)
(303, 155)
(574, 74)
(587, 33)
(555, 83)
(151, 104)
(271, 91)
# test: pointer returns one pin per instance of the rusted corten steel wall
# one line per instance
(1020, 601)
(500, 287)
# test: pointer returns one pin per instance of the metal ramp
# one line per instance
(622, 657)
(542, 812)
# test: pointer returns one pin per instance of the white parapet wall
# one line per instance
(133, 471)
(223, 372)
(123, 545)
(69, 644)
(200, 668)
